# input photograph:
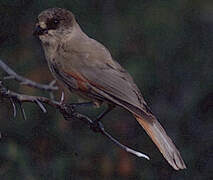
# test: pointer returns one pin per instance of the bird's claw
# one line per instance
(96, 126)
(62, 98)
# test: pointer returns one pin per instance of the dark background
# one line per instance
(166, 45)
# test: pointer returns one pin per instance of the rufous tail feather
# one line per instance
(163, 142)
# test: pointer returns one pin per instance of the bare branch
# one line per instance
(67, 110)
(24, 81)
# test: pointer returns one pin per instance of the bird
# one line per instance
(87, 68)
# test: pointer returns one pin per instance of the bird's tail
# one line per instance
(163, 142)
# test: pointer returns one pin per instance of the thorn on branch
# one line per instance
(62, 98)
(22, 111)
(14, 107)
(52, 83)
(41, 106)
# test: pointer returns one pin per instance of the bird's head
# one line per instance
(54, 22)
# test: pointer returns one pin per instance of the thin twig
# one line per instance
(127, 149)
(24, 81)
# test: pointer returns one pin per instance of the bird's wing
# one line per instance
(115, 84)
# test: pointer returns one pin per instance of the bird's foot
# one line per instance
(62, 100)
(96, 126)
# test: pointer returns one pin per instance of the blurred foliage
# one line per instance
(166, 45)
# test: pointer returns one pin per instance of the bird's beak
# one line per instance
(39, 30)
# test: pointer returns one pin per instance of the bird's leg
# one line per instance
(96, 125)
(105, 112)
(71, 108)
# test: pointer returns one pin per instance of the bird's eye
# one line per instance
(56, 21)
(52, 23)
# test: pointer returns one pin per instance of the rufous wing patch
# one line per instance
(81, 81)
